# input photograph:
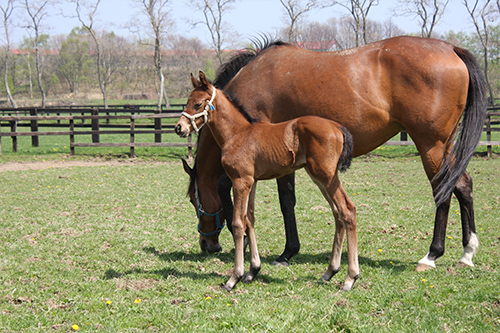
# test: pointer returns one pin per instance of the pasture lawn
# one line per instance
(114, 249)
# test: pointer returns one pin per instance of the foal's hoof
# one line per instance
(423, 267)
(226, 287)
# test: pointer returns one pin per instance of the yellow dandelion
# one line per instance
(137, 301)
(75, 327)
(108, 302)
(380, 250)
(424, 280)
(208, 297)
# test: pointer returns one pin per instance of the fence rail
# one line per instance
(74, 123)
(97, 119)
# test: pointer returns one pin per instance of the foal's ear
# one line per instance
(195, 82)
(186, 166)
(204, 80)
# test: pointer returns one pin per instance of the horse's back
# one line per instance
(375, 90)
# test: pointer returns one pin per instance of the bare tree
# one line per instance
(319, 36)
(213, 19)
(7, 10)
(37, 11)
(359, 9)
(85, 12)
(295, 12)
(481, 12)
(428, 12)
(157, 12)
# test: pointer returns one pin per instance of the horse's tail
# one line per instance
(346, 155)
(469, 133)
(229, 69)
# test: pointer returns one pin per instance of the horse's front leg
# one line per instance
(252, 240)
(241, 191)
(286, 189)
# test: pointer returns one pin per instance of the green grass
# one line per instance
(74, 239)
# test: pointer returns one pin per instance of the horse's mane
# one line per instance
(230, 68)
(226, 73)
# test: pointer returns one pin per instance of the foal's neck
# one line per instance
(226, 120)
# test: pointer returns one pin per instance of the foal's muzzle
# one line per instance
(182, 127)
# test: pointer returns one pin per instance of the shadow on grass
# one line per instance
(299, 259)
(324, 258)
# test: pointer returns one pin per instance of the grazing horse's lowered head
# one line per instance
(211, 221)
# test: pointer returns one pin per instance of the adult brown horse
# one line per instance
(262, 150)
(422, 85)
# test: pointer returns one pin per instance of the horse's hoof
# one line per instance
(280, 263)
(423, 267)
(225, 287)
(464, 264)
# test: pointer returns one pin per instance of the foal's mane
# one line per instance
(226, 73)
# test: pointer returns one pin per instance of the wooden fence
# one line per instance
(97, 119)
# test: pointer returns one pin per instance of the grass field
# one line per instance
(114, 248)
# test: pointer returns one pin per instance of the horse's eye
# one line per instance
(197, 106)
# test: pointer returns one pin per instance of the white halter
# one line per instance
(208, 107)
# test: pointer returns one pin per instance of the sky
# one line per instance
(249, 18)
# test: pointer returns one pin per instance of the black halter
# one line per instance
(201, 212)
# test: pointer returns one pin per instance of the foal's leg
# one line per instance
(344, 210)
(463, 192)
(286, 189)
(241, 190)
(252, 241)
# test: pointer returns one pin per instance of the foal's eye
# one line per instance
(197, 106)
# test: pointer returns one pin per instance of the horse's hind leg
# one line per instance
(463, 192)
(252, 241)
(286, 189)
(344, 212)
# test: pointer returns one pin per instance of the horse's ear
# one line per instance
(195, 82)
(187, 168)
(204, 80)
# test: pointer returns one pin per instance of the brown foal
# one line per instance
(262, 150)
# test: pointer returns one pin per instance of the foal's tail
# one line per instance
(469, 132)
(346, 155)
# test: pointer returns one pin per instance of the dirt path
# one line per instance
(39, 165)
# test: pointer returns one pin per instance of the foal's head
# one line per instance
(199, 104)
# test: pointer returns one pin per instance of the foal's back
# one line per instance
(266, 150)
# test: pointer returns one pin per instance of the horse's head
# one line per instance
(199, 103)
(209, 224)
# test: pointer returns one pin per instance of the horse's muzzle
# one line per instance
(181, 129)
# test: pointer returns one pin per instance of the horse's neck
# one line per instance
(226, 121)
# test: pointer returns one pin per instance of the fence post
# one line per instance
(132, 137)
(190, 149)
(72, 136)
(488, 133)
(404, 135)
(158, 126)
(13, 128)
(35, 142)
(95, 126)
